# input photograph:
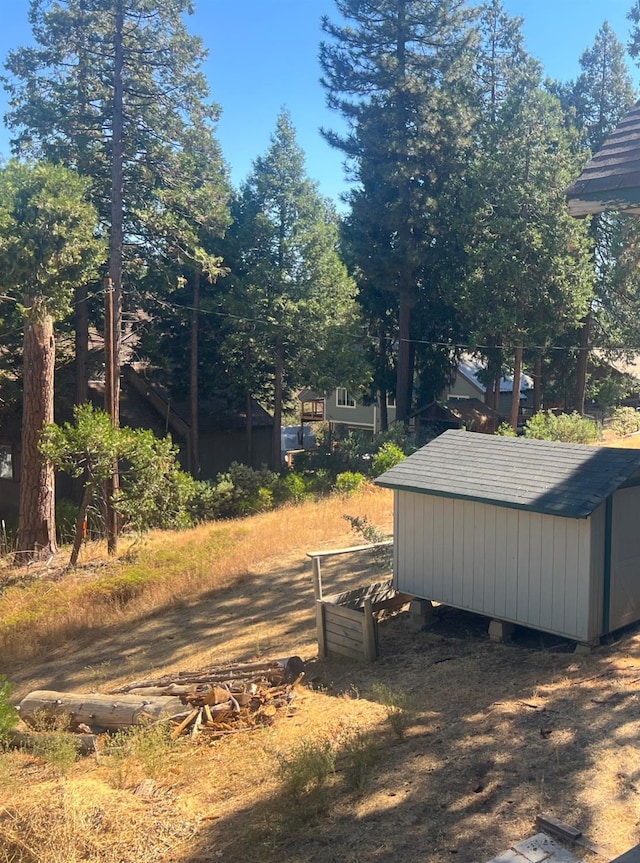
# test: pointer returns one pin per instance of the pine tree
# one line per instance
(113, 88)
(598, 99)
(47, 248)
(289, 291)
(398, 71)
(530, 275)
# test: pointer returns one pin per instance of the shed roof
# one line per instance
(611, 180)
(542, 476)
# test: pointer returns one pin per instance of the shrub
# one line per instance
(349, 482)
(400, 714)
(388, 456)
(568, 428)
(8, 713)
(625, 421)
(290, 488)
(506, 430)
(307, 768)
(360, 756)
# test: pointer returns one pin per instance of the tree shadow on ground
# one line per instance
(498, 734)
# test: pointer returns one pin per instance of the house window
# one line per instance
(391, 401)
(6, 462)
(343, 399)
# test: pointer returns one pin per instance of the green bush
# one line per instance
(506, 430)
(307, 768)
(388, 456)
(349, 482)
(8, 713)
(568, 428)
(625, 421)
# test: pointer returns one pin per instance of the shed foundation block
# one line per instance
(421, 613)
(586, 647)
(500, 631)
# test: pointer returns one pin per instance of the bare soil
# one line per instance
(495, 734)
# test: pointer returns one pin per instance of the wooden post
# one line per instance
(322, 644)
(317, 578)
(369, 633)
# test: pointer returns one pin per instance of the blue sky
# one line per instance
(263, 57)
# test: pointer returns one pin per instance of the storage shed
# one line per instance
(537, 533)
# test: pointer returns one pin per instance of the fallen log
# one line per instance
(86, 744)
(98, 712)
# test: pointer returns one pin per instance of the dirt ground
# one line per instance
(495, 733)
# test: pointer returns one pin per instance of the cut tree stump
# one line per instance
(97, 712)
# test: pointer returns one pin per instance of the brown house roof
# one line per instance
(611, 180)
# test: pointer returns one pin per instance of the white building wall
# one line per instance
(510, 564)
(625, 559)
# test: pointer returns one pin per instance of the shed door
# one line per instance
(625, 559)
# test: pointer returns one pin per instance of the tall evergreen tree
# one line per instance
(530, 274)
(289, 289)
(597, 100)
(398, 72)
(47, 247)
(114, 89)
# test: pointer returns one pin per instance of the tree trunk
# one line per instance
(515, 395)
(276, 447)
(194, 442)
(537, 384)
(384, 413)
(249, 427)
(113, 321)
(581, 367)
(80, 524)
(403, 385)
(82, 344)
(37, 518)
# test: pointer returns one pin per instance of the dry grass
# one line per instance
(45, 607)
(631, 441)
(491, 734)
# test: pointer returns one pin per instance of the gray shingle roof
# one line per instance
(611, 180)
(542, 476)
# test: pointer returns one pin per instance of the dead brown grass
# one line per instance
(42, 608)
(494, 733)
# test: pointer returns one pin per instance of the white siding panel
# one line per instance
(459, 574)
(499, 607)
(489, 588)
(545, 620)
(583, 585)
(480, 556)
(534, 602)
(472, 553)
(596, 566)
(510, 564)
(448, 547)
(511, 574)
(625, 558)
(572, 564)
(558, 531)
(523, 579)
(440, 525)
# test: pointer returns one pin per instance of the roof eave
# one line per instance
(582, 514)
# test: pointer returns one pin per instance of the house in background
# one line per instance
(223, 433)
(341, 407)
(467, 385)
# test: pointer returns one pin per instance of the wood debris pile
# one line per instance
(226, 699)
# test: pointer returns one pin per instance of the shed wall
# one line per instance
(510, 564)
(598, 532)
(625, 559)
